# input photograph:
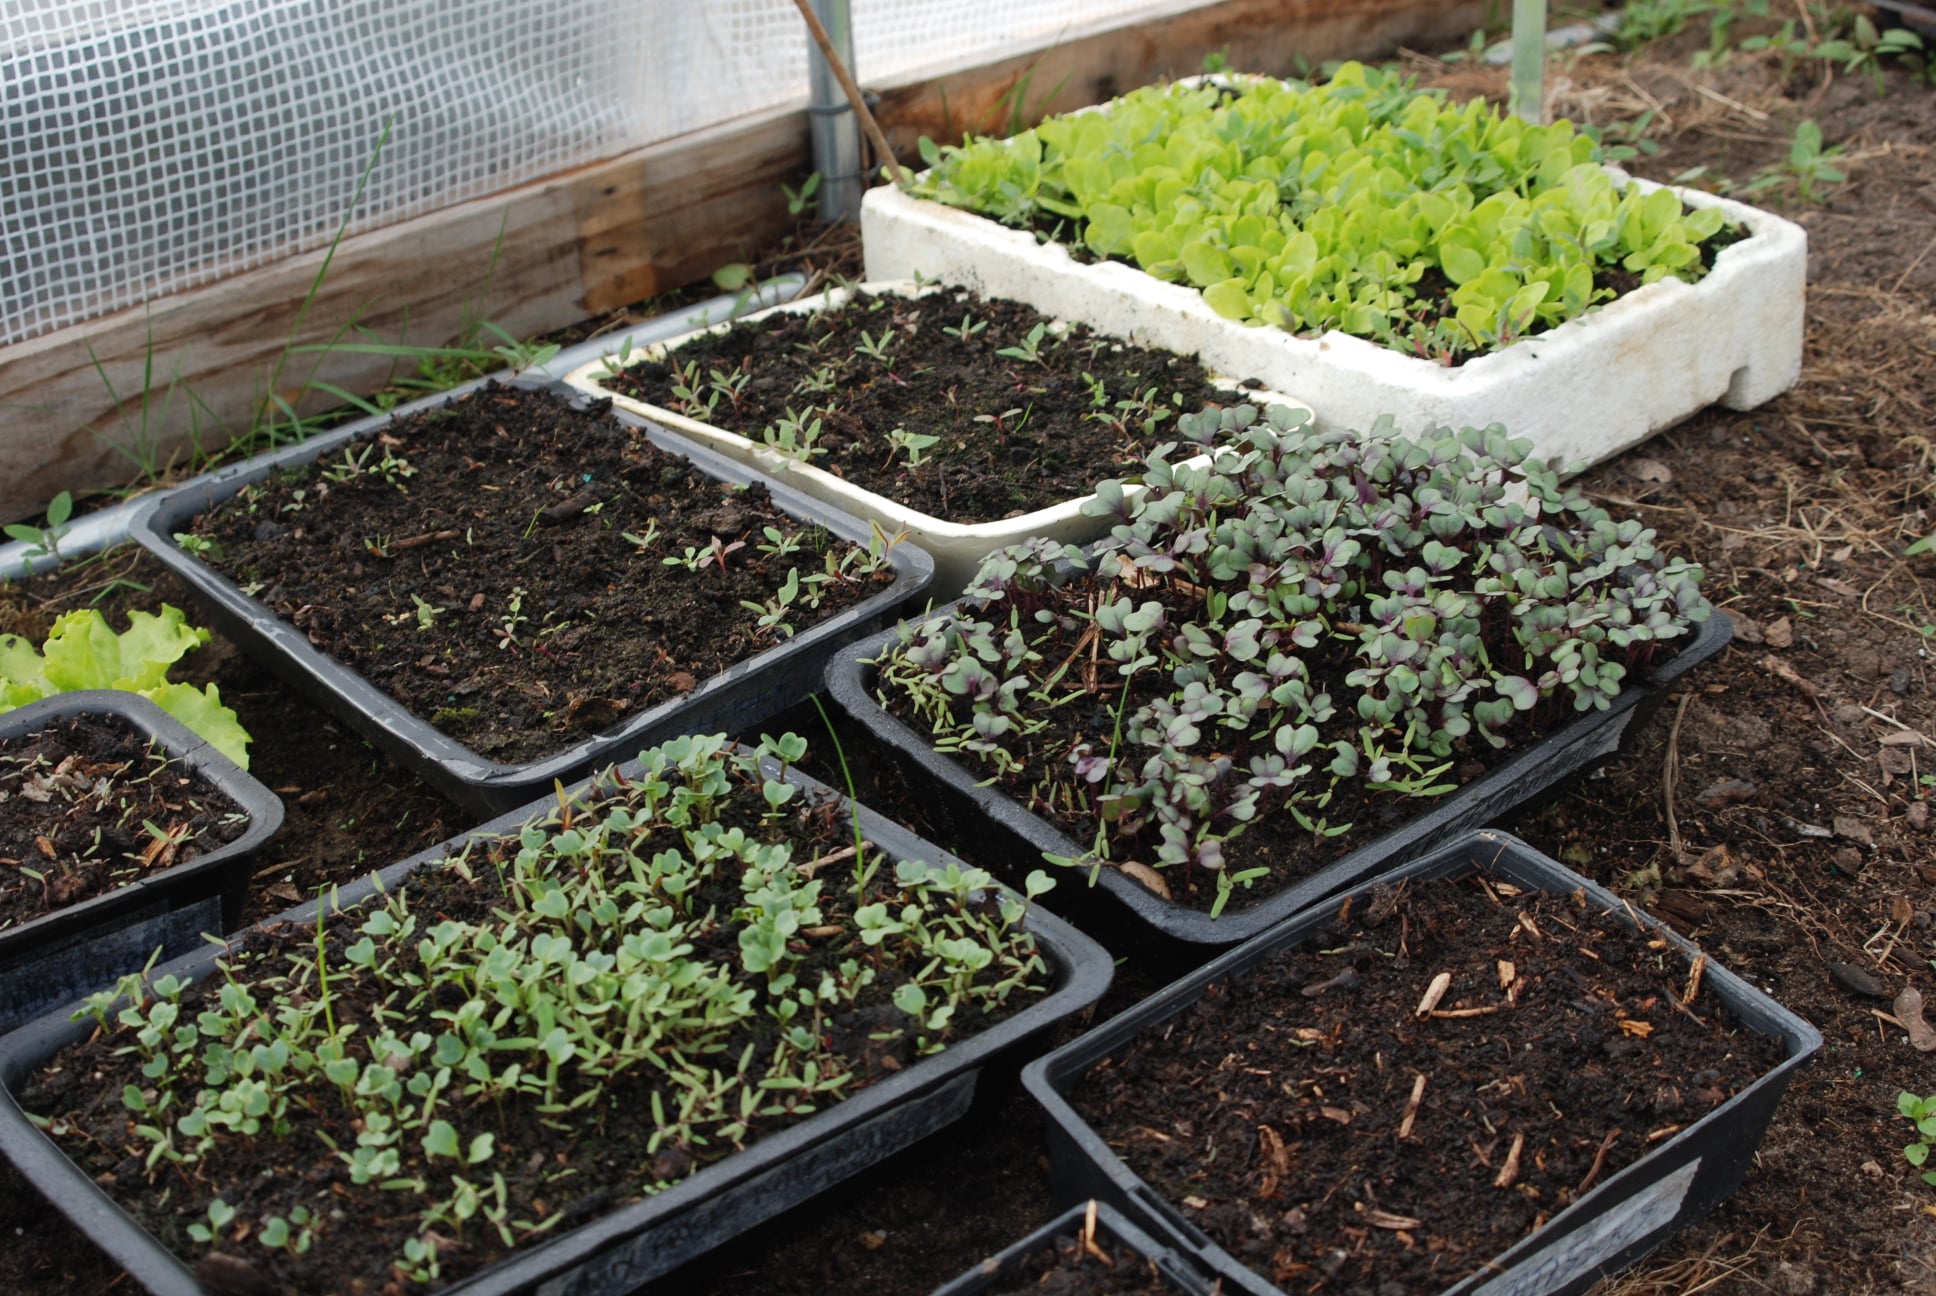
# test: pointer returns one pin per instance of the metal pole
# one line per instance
(835, 132)
(1527, 97)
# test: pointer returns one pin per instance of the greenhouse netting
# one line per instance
(151, 146)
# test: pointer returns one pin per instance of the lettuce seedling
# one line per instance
(84, 652)
(1359, 205)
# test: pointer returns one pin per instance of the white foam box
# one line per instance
(1581, 392)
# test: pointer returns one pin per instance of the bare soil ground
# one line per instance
(1776, 811)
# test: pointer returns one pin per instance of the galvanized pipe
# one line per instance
(831, 122)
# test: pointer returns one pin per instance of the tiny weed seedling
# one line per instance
(44, 541)
(799, 200)
(914, 445)
(1809, 166)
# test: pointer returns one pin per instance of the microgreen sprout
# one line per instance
(1313, 610)
(969, 328)
(1029, 349)
(914, 445)
(506, 630)
(612, 960)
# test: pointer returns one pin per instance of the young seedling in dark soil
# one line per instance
(958, 407)
(633, 985)
(1307, 637)
(549, 572)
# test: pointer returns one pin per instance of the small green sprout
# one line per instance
(1922, 1112)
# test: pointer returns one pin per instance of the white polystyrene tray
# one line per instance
(957, 547)
(1583, 391)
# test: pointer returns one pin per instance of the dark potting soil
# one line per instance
(566, 1168)
(1012, 435)
(90, 805)
(523, 574)
(1325, 1126)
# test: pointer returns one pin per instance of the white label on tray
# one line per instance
(1597, 1241)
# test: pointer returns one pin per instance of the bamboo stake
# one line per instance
(854, 96)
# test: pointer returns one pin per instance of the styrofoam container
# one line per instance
(1583, 391)
(956, 547)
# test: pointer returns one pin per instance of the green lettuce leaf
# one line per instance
(84, 652)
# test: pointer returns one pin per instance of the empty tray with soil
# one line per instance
(122, 835)
(1481, 1072)
(505, 588)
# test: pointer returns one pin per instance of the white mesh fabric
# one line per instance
(151, 146)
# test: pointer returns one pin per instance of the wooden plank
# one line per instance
(578, 244)
(530, 260)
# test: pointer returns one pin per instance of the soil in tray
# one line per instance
(90, 805)
(1012, 434)
(611, 1135)
(1326, 1126)
(523, 574)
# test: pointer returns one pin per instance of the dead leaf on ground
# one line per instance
(1385, 1219)
(1841, 587)
(1908, 1010)
(1780, 634)
(1746, 628)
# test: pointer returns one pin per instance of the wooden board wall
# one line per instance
(577, 245)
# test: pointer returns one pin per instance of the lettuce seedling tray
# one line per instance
(738, 697)
(977, 811)
(60, 956)
(1609, 1223)
(644, 1238)
(1113, 1234)
(956, 547)
(1582, 391)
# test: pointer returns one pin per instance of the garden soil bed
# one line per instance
(1323, 1125)
(91, 805)
(522, 574)
(1774, 817)
(1012, 435)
